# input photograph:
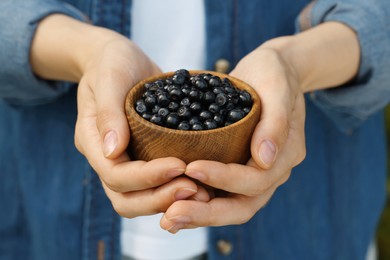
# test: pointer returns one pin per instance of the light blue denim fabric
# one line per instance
(52, 205)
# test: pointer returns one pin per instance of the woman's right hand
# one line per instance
(107, 65)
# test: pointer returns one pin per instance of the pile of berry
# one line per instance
(193, 102)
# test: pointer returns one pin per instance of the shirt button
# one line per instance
(224, 247)
(222, 66)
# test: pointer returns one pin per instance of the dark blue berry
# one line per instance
(201, 84)
(197, 126)
(172, 120)
(194, 120)
(176, 94)
(163, 112)
(178, 78)
(147, 116)
(214, 108)
(173, 106)
(155, 109)
(141, 107)
(185, 102)
(209, 97)
(184, 112)
(196, 107)
(245, 98)
(235, 115)
(163, 100)
(194, 95)
(155, 119)
(184, 125)
(150, 101)
(210, 124)
(215, 81)
(221, 99)
(205, 114)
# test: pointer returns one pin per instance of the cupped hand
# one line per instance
(102, 133)
(277, 145)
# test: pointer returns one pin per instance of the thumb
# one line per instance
(111, 120)
(272, 130)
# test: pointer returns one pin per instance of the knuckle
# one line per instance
(112, 183)
(120, 207)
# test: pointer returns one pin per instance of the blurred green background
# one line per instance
(383, 234)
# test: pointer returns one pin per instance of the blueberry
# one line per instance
(194, 120)
(201, 84)
(218, 90)
(176, 93)
(178, 78)
(141, 107)
(196, 107)
(221, 99)
(205, 114)
(173, 106)
(214, 108)
(184, 125)
(218, 119)
(194, 95)
(184, 112)
(147, 116)
(155, 119)
(209, 97)
(246, 110)
(155, 109)
(215, 81)
(150, 101)
(197, 126)
(210, 124)
(185, 102)
(184, 72)
(163, 100)
(163, 112)
(235, 115)
(245, 98)
(172, 120)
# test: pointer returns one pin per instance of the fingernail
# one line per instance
(110, 143)
(178, 223)
(184, 193)
(175, 228)
(196, 175)
(267, 152)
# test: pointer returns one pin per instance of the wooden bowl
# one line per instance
(229, 144)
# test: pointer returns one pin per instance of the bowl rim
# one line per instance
(132, 113)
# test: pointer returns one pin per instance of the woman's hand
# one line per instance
(280, 70)
(278, 145)
(107, 65)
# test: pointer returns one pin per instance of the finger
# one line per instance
(277, 99)
(235, 178)
(120, 174)
(232, 210)
(110, 94)
(151, 201)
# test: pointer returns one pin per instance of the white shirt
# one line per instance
(172, 34)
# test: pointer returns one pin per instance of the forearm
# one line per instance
(325, 56)
(62, 45)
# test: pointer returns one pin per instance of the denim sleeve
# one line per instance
(18, 22)
(349, 105)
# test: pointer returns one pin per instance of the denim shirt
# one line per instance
(52, 203)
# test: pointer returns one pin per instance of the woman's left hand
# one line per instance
(277, 145)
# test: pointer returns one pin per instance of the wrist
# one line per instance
(63, 46)
(325, 56)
